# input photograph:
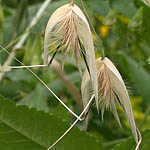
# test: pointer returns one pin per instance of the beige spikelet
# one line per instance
(111, 88)
(68, 30)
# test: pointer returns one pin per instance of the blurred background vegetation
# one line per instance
(124, 29)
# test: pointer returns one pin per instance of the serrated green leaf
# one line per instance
(22, 128)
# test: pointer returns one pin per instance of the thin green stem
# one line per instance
(42, 82)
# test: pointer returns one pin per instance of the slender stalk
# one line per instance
(72, 2)
(139, 140)
(103, 53)
(100, 41)
(33, 23)
(43, 84)
(80, 116)
(72, 89)
(57, 68)
(23, 67)
(24, 37)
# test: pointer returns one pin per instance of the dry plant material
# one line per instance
(111, 88)
(68, 31)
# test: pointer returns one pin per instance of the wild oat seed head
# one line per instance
(111, 88)
(68, 31)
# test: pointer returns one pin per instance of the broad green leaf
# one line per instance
(129, 144)
(22, 128)
(37, 98)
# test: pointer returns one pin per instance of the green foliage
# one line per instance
(40, 96)
(138, 76)
(145, 28)
(37, 118)
(24, 128)
(36, 50)
(1, 22)
(136, 21)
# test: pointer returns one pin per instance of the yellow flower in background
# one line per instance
(104, 30)
(100, 18)
(138, 115)
(124, 19)
(148, 118)
(94, 36)
(136, 101)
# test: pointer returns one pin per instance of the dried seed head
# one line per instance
(106, 92)
(68, 31)
(64, 32)
(111, 88)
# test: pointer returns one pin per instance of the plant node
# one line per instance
(72, 3)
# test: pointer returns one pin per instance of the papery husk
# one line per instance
(107, 98)
(82, 36)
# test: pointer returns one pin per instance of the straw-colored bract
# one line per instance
(111, 88)
(68, 30)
